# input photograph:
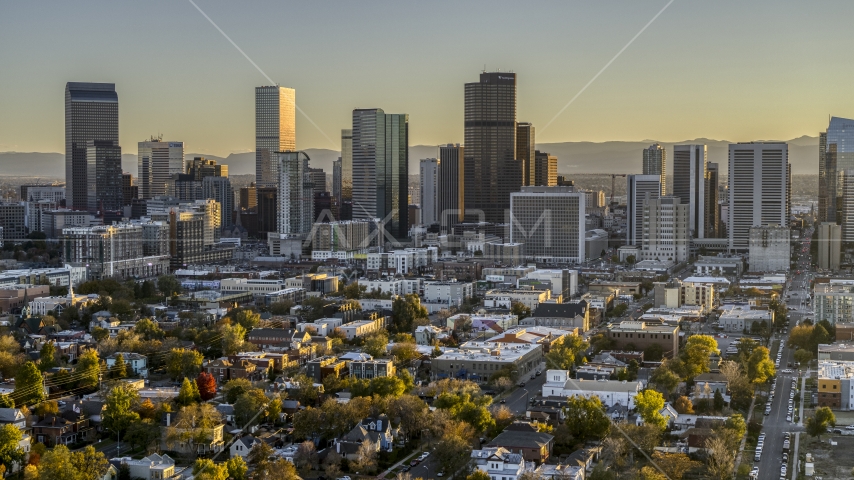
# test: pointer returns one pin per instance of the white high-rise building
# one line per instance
(429, 191)
(157, 162)
(769, 249)
(665, 230)
(549, 221)
(758, 189)
(847, 207)
(295, 195)
(639, 189)
(690, 174)
(275, 130)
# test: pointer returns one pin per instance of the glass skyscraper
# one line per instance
(275, 130)
(381, 169)
(655, 163)
(836, 154)
(91, 113)
(103, 176)
(491, 169)
(157, 162)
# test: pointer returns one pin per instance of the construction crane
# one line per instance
(614, 184)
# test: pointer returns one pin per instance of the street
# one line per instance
(519, 399)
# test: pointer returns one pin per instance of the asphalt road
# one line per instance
(776, 424)
(519, 399)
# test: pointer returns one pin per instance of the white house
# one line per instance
(242, 446)
(136, 363)
(610, 392)
(499, 462)
(152, 467)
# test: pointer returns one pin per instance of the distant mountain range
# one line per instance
(573, 158)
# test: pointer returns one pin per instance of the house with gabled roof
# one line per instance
(376, 430)
(243, 445)
(498, 462)
(523, 438)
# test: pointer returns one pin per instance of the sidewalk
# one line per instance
(406, 460)
(803, 393)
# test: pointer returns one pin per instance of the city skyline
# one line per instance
(216, 116)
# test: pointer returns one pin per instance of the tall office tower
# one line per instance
(219, 189)
(91, 113)
(655, 163)
(347, 165)
(275, 130)
(104, 175)
(713, 208)
(526, 152)
(248, 197)
(689, 183)
(296, 197)
(666, 235)
(429, 191)
(491, 169)
(544, 171)
(757, 189)
(549, 222)
(845, 204)
(823, 180)
(336, 180)
(381, 169)
(829, 246)
(200, 167)
(451, 209)
(836, 154)
(639, 190)
(317, 178)
(268, 207)
(157, 162)
(130, 191)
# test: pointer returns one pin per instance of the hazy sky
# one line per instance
(730, 70)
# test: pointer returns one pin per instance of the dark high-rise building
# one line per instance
(451, 186)
(544, 170)
(91, 113)
(336, 181)
(690, 177)
(268, 205)
(318, 179)
(526, 151)
(104, 175)
(323, 207)
(713, 208)
(129, 190)
(491, 169)
(835, 156)
(655, 163)
(248, 197)
(381, 169)
(346, 165)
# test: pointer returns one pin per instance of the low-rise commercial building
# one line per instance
(371, 368)
(565, 316)
(449, 292)
(741, 317)
(719, 265)
(835, 385)
(361, 328)
(544, 336)
(477, 361)
(506, 298)
(631, 335)
(610, 392)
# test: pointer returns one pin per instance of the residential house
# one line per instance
(609, 392)
(706, 384)
(427, 334)
(65, 429)
(134, 362)
(187, 440)
(378, 431)
(498, 462)
(242, 446)
(281, 338)
(224, 369)
(523, 438)
(152, 467)
(13, 416)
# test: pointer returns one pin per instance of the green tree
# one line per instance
(760, 368)
(235, 388)
(6, 401)
(56, 464)
(376, 343)
(100, 334)
(88, 369)
(696, 354)
(718, 401)
(148, 329)
(188, 394)
(820, 421)
(119, 407)
(236, 468)
(566, 352)
(802, 356)
(353, 291)
(47, 357)
(452, 452)
(168, 285)
(119, 368)
(586, 418)
(520, 310)
(247, 406)
(664, 379)
(182, 363)
(405, 311)
(233, 338)
(10, 448)
(648, 404)
(653, 353)
(387, 386)
(247, 319)
(29, 386)
(206, 469)
(89, 463)
(281, 308)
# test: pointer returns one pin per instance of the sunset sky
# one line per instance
(729, 70)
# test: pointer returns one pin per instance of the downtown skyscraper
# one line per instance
(639, 190)
(655, 163)
(690, 178)
(295, 194)
(758, 189)
(91, 113)
(275, 130)
(381, 169)
(157, 162)
(492, 171)
(451, 185)
(835, 156)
